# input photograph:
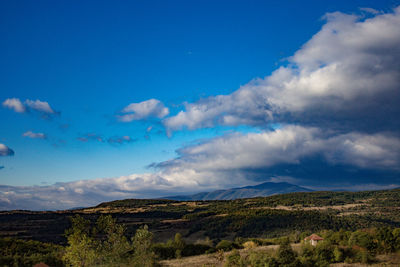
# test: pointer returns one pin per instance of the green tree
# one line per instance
(179, 245)
(323, 253)
(112, 246)
(81, 249)
(338, 254)
(396, 235)
(286, 255)
(143, 253)
(364, 240)
(101, 245)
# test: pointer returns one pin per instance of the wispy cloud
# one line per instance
(5, 150)
(91, 137)
(143, 110)
(33, 135)
(114, 140)
(120, 140)
(370, 10)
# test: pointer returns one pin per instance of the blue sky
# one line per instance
(89, 60)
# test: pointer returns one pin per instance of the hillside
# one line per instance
(261, 190)
(253, 217)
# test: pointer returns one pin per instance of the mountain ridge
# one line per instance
(261, 190)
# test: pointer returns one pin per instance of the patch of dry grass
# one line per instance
(215, 259)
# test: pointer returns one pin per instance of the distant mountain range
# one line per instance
(261, 190)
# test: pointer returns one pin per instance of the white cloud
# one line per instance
(288, 145)
(40, 106)
(36, 105)
(82, 193)
(348, 73)
(14, 104)
(33, 135)
(370, 10)
(143, 110)
(5, 150)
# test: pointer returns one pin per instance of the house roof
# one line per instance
(313, 237)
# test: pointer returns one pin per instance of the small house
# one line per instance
(313, 239)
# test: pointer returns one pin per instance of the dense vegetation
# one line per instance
(261, 217)
(16, 252)
(104, 244)
(184, 228)
(342, 246)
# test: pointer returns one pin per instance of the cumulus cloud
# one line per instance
(143, 110)
(33, 135)
(347, 75)
(5, 150)
(41, 107)
(14, 104)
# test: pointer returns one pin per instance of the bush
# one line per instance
(15, 252)
(249, 244)
(227, 245)
(286, 256)
(259, 259)
(234, 260)
(164, 251)
(194, 249)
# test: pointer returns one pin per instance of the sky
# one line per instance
(104, 100)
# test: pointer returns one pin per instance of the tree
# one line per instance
(142, 243)
(102, 244)
(112, 246)
(179, 245)
(286, 255)
(338, 254)
(364, 240)
(81, 246)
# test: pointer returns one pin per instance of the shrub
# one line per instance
(225, 245)
(249, 244)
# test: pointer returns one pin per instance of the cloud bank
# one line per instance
(286, 154)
